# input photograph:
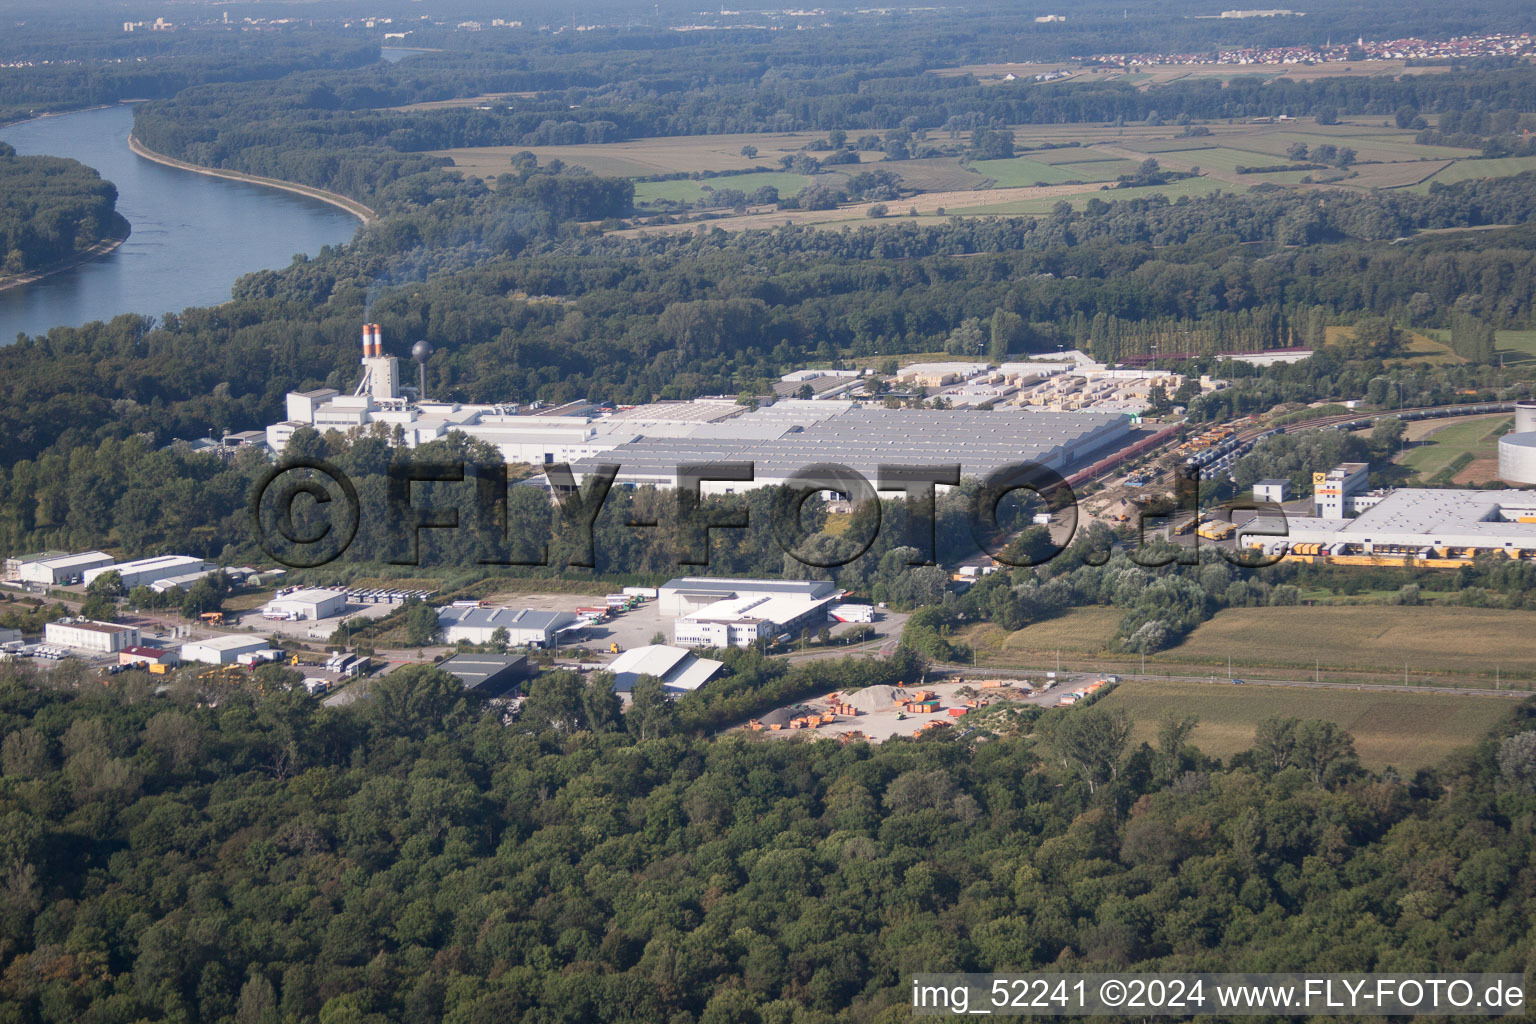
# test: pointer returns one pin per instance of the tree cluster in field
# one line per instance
(54, 209)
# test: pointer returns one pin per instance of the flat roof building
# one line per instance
(782, 444)
(525, 627)
(145, 571)
(488, 675)
(63, 568)
(1272, 490)
(306, 604)
(221, 650)
(688, 594)
(742, 621)
(88, 635)
(1415, 524)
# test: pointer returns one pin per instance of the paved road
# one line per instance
(1311, 684)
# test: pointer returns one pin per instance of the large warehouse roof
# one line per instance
(1410, 517)
(863, 439)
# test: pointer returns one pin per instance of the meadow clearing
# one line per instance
(1406, 731)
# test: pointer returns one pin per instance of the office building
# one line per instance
(1272, 490)
(1334, 492)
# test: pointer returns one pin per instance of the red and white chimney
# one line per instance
(367, 340)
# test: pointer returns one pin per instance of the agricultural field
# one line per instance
(689, 190)
(1406, 731)
(1473, 646)
(1152, 76)
(1080, 631)
(1080, 195)
(933, 174)
(1461, 170)
(1024, 171)
(644, 157)
(1466, 642)
(1467, 450)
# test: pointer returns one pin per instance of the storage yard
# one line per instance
(877, 713)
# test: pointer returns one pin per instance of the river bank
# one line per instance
(352, 206)
(108, 244)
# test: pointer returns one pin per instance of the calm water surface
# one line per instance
(193, 235)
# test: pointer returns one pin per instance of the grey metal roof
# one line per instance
(706, 586)
(492, 618)
(476, 670)
(864, 438)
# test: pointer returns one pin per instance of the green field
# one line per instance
(1024, 171)
(1516, 346)
(1474, 646)
(1407, 731)
(688, 190)
(1223, 158)
(1079, 631)
(1184, 187)
(1477, 437)
(1369, 638)
(1462, 170)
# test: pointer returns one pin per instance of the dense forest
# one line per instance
(245, 854)
(94, 80)
(52, 209)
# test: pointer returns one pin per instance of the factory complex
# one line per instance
(1429, 527)
(781, 442)
(1051, 416)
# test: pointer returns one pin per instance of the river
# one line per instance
(193, 235)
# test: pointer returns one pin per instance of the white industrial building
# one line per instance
(742, 621)
(183, 582)
(525, 627)
(306, 604)
(145, 571)
(1272, 490)
(1411, 524)
(88, 635)
(680, 671)
(689, 594)
(222, 650)
(64, 569)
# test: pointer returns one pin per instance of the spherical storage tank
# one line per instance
(1517, 457)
